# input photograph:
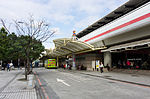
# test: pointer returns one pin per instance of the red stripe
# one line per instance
(39, 82)
(41, 87)
(121, 26)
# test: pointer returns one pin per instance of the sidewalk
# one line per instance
(12, 86)
(118, 76)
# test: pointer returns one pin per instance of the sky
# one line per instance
(63, 15)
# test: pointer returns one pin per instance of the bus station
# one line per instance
(121, 36)
(108, 58)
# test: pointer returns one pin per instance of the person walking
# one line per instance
(101, 67)
(8, 67)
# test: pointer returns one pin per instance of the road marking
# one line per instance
(62, 81)
(43, 90)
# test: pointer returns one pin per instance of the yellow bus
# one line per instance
(50, 63)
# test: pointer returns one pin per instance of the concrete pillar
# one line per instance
(73, 61)
(57, 61)
(107, 59)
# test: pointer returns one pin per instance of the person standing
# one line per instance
(64, 66)
(128, 64)
(5, 65)
(101, 67)
(108, 68)
(8, 67)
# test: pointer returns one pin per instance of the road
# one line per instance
(58, 84)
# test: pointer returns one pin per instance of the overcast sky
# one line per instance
(64, 15)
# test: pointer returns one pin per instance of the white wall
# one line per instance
(138, 33)
(141, 11)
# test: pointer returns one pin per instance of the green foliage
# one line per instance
(3, 44)
(36, 49)
(13, 46)
(31, 46)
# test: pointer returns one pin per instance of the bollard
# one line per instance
(30, 83)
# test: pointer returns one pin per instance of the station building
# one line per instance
(120, 39)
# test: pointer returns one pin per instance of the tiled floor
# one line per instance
(13, 88)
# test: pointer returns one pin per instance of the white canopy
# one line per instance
(66, 46)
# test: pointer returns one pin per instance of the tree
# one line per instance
(12, 46)
(3, 44)
(33, 34)
(7, 48)
(23, 50)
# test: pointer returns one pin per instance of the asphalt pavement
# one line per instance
(65, 84)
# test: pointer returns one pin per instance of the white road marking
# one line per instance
(62, 81)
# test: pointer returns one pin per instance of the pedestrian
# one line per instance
(64, 66)
(101, 67)
(11, 66)
(5, 66)
(18, 66)
(108, 68)
(8, 67)
(70, 67)
(128, 64)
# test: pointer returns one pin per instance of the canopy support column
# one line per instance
(73, 61)
(107, 59)
(57, 61)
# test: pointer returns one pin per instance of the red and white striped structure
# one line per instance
(133, 25)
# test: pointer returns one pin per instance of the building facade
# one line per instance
(120, 39)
